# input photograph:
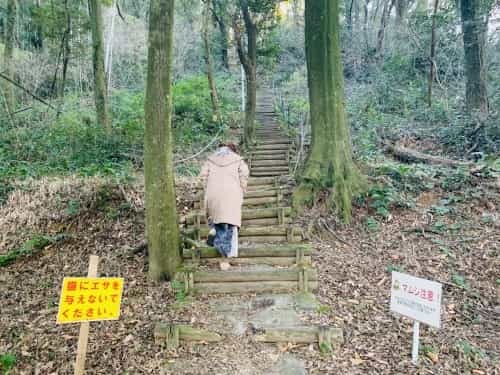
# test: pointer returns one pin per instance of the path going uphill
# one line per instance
(273, 274)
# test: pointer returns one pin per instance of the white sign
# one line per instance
(416, 298)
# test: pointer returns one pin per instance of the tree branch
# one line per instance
(28, 92)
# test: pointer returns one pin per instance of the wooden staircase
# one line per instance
(273, 257)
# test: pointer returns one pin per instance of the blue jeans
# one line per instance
(223, 238)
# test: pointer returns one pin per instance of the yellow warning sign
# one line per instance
(87, 299)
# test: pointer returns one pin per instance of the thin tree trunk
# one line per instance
(401, 8)
(8, 54)
(66, 49)
(162, 231)
(249, 62)
(100, 90)
(432, 68)
(209, 62)
(365, 24)
(218, 13)
(476, 97)
(329, 164)
(388, 4)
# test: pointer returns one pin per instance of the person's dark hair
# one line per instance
(230, 146)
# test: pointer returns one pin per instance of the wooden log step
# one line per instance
(269, 151)
(267, 180)
(269, 192)
(247, 214)
(277, 146)
(252, 201)
(250, 287)
(274, 141)
(171, 334)
(268, 174)
(270, 134)
(269, 239)
(240, 261)
(254, 222)
(250, 231)
(244, 276)
(331, 337)
(269, 155)
(266, 135)
(278, 168)
(272, 162)
(253, 252)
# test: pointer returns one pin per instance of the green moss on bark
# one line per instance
(162, 228)
(329, 164)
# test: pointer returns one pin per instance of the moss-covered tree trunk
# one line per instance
(161, 216)
(100, 90)
(8, 54)
(329, 164)
(473, 28)
(209, 63)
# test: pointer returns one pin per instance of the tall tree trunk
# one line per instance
(66, 49)
(473, 27)
(401, 8)
(386, 12)
(8, 53)
(432, 62)
(249, 62)
(365, 24)
(209, 62)
(348, 5)
(100, 90)
(162, 229)
(218, 13)
(329, 164)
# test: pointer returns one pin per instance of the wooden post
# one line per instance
(303, 280)
(172, 339)
(281, 216)
(299, 256)
(83, 338)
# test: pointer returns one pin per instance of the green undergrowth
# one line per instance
(7, 363)
(30, 247)
(39, 144)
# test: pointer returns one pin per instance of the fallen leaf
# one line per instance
(128, 339)
(433, 357)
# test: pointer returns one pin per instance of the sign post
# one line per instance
(87, 299)
(418, 299)
(83, 337)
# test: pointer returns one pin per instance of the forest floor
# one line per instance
(457, 245)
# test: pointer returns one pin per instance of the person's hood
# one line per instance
(224, 157)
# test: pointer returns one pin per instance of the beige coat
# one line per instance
(225, 176)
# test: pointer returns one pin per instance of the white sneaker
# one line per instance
(224, 266)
